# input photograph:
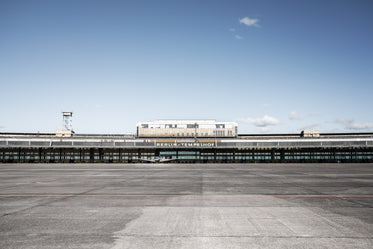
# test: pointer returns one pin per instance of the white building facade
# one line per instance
(187, 128)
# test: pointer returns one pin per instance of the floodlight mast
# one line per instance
(67, 118)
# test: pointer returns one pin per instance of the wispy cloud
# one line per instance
(266, 105)
(294, 116)
(350, 124)
(308, 127)
(264, 129)
(249, 22)
(311, 115)
(238, 37)
(261, 122)
(232, 30)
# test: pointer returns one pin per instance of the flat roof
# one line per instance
(275, 135)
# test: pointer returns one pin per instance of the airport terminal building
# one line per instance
(186, 141)
(187, 129)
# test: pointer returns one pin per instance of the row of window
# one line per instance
(192, 134)
(200, 155)
(219, 133)
(189, 126)
(86, 158)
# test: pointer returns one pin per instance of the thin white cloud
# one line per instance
(264, 129)
(311, 115)
(249, 21)
(238, 37)
(308, 127)
(343, 121)
(363, 126)
(261, 122)
(350, 124)
(232, 30)
(294, 116)
(266, 105)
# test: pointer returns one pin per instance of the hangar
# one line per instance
(68, 147)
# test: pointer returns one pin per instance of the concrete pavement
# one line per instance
(186, 206)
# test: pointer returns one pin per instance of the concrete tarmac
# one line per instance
(186, 206)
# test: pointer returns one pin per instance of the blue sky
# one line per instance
(272, 66)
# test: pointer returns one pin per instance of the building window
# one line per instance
(190, 126)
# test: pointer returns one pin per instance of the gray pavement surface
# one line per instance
(186, 206)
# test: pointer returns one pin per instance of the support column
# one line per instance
(91, 155)
(100, 153)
